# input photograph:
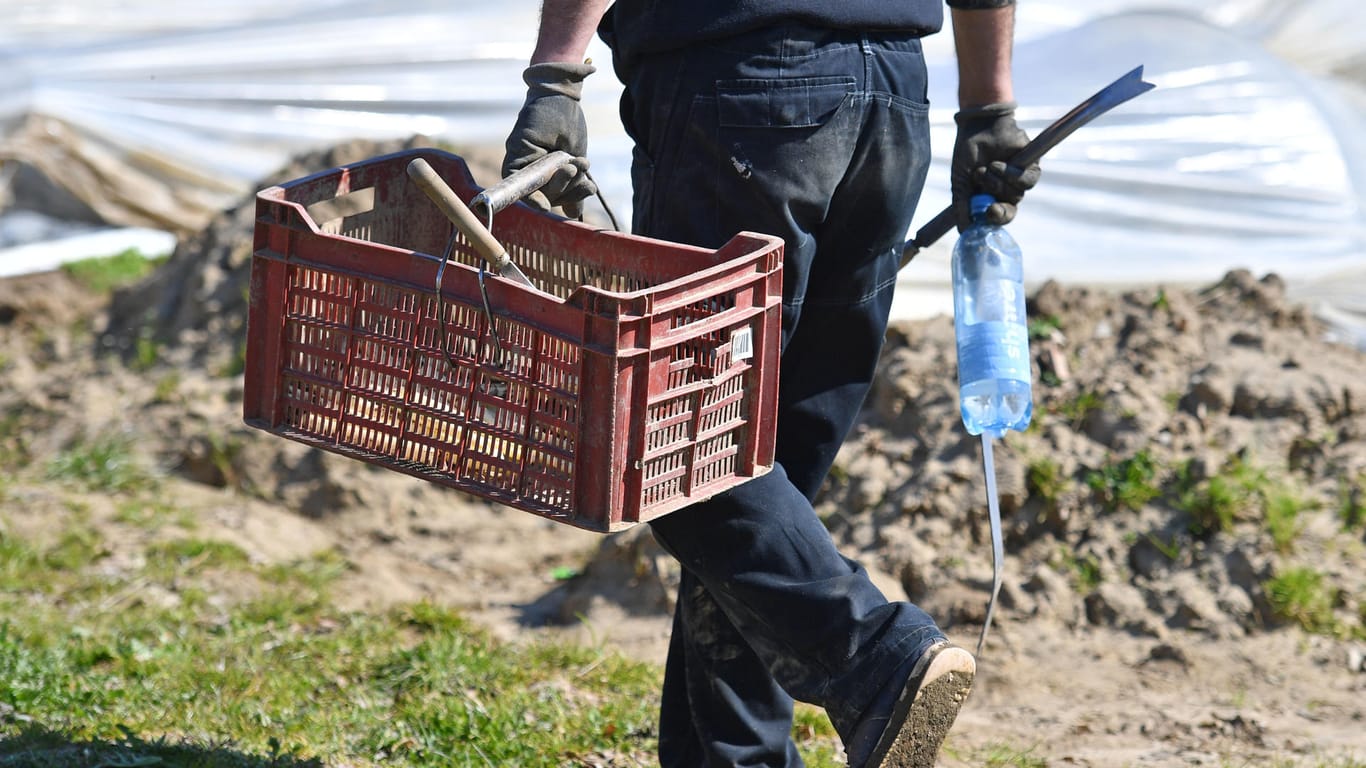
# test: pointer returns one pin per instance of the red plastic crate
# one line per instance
(644, 379)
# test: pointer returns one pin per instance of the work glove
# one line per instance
(987, 139)
(552, 119)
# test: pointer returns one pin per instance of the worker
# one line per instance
(808, 120)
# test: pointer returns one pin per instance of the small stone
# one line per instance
(1121, 606)
(1356, 659)
(1208, 393)
(1168, 652)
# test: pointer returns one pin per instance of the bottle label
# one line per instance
(993, 350)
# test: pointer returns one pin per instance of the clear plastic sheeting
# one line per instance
(1250, 152)
(195, 102)
(1233, 158)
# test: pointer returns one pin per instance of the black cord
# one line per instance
(603, 201)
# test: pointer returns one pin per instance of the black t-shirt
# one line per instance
(634, 27)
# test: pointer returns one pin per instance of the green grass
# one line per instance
(1351, 507)
(1242, 491)
(167, 387)
(14, 441)
(168, 559)
(103, 464)
(1085, 571)
(105, 273)
(1213, 506)
(1126, 484)
(1303, 596)
(997, 755)
(1282, 513)
(93, 673)
(1077, 409)
(237, 364)
(1045, 480)
(283, 678)
(1005, 756)
(1170, 548)
(146, 353)
(152, 514)
(1043, 327)
(1215, 503)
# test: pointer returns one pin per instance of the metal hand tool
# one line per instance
(1104, 100)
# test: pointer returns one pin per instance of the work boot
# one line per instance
(910, 728)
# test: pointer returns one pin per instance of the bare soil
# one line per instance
(1127, 633)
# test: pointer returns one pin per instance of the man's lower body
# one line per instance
(819, 137)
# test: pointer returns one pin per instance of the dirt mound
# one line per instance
(195, 307)
(1186, 449)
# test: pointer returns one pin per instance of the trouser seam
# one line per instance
(870, 296)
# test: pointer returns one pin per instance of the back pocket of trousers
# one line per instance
(803, 102)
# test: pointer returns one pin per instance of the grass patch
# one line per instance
(167, 387)
(92, 675)
(1075, 410)
(1045, 480)
(1282, 515)
(237, 364)
(18, 560)
(1241, 491)
(1126, 484)
(104, 464)
(146, 353)
(1351, 507)
(1084, 570)
(1216, 502)
(1170, 548)
(1043, 327)
(152, 515)
(74, 550)
(14, 440)
(182, 555)
(105, 273)
(999, 755)
(1304, 597)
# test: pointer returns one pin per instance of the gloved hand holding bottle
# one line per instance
(988, 138)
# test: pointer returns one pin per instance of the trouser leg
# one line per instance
(720, 707)
(830, 156)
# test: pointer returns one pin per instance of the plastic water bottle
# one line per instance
(994, 392)
(989, 322)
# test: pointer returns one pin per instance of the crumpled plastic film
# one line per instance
(1250, 153)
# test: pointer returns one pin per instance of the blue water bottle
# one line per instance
(989, 323)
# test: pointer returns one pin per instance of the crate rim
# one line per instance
(275, 195)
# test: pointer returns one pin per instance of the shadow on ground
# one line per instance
(39, 747)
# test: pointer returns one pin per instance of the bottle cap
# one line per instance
(980, 203)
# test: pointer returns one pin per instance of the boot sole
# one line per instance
(928, 714)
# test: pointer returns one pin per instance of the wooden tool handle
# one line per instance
(460, 215)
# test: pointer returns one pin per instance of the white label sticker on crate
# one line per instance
(741, 344)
